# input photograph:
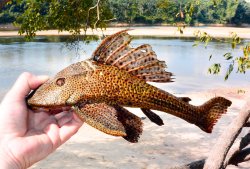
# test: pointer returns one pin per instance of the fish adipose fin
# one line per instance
(141, 61)
(153, 117)
(213, 110)
(116, 121)
(185, 99)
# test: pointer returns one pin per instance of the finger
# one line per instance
(64, 117)
(70, 128)
(53, 132)
(61, 114)
(24, 84)
(41, 120)
(77, 119)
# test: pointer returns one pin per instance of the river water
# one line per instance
(48, 55)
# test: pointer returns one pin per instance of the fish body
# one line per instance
(115, 77)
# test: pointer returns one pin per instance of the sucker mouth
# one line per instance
(51, 110)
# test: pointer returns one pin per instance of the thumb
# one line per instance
(24, 84)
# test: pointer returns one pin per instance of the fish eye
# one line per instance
(60, 81)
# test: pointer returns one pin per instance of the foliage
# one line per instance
(184, 11)
(10, 12)
(242, 13)
(73, 13)
(242, 63)
(63, 15)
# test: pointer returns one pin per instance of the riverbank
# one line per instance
(158, 31)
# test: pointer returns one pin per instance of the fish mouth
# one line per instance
(51, 110)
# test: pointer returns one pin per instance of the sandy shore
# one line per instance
(160, 31)
(175, 143)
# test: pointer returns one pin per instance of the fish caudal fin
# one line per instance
(212, 110)
(112, 120)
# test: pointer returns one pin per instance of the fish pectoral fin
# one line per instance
(112, 120)
(102, 117)
(153, 117)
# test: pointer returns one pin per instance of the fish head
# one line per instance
(61, 91)
(53, 93)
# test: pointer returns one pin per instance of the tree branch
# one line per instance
(194, 165)
(247, 124)
(235, 150)
(242, 156)
(235, 155)
(220, 150)
(97, 13)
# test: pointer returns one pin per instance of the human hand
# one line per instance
(27, 137)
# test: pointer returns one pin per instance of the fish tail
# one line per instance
(212, 110)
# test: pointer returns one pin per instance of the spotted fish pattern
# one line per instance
(115, 77)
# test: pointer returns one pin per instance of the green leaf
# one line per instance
(214, 69)
(229, 71)
(210, 57)
(228, 56)
(196, 43)
(233, 45)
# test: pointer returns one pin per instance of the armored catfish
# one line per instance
(115, 77)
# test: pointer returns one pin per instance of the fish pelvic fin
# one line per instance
(141, 61)
(132, 124)
(112, 120)
(153, 117)
(212, 110)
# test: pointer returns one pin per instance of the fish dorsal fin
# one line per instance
(110, 44)
(140, 61)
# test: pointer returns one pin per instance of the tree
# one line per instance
(9, 12)
(242, 14)
(63, 15)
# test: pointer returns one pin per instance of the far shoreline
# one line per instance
(157, 31)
